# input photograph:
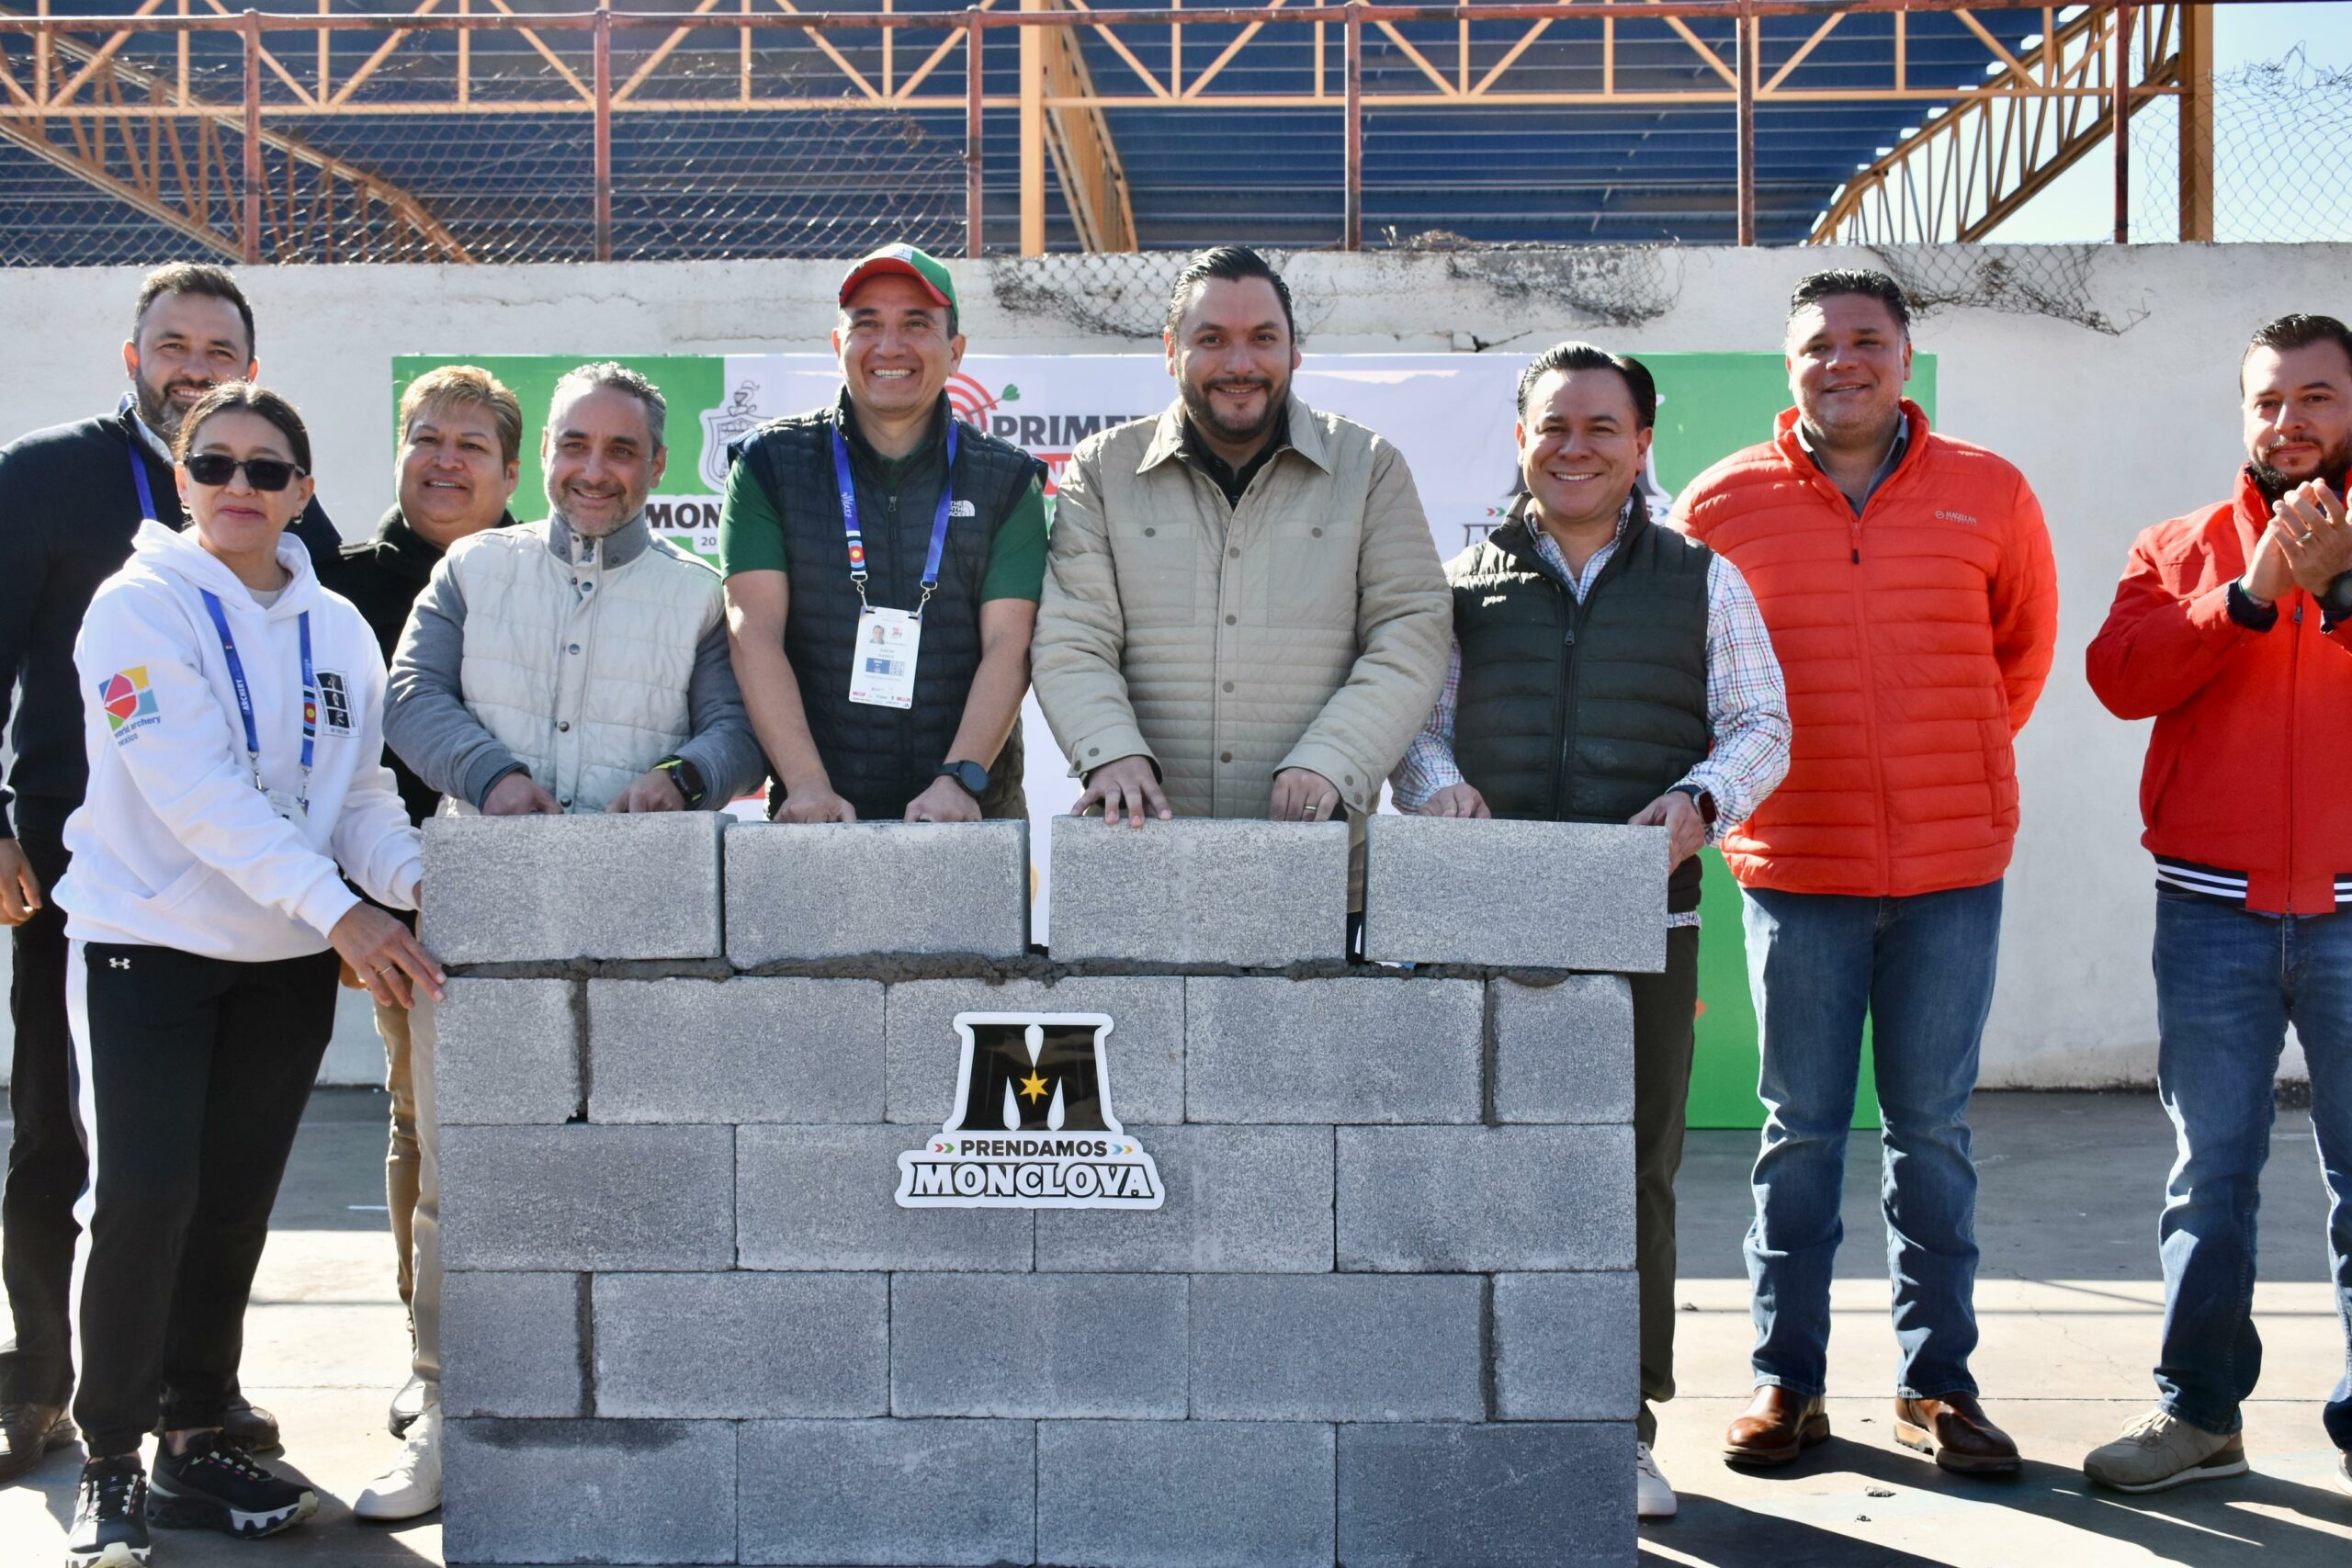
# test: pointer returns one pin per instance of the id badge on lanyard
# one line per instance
(296, 806)
(882, 659)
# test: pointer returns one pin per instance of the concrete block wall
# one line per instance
(1385, 1315)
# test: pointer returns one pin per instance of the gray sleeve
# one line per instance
(722, 747)
(427, 722)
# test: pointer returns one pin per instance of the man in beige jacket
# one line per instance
(1244, 614)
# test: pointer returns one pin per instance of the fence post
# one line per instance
(1351, 219)
(2196, 33)
(975, 85)
(604, 130)
(1032, 136)
(252, 30)
(2121, 132)
(1752, 33)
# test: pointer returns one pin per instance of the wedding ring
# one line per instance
(2306, 536)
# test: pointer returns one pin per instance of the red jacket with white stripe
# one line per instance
(2245, 793)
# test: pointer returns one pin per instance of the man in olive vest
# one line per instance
(882, 564)
(1605, 670)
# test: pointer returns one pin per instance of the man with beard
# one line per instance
(1244, 614)
(574, 665)
(71, 498)
(2233, 630)
(459, 455)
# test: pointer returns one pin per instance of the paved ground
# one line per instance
(2069, 1300)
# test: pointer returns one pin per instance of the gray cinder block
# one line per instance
(1567, 1346)
(1199, 890)
(1038, 1345)
(742, 1345)
(737, 1051)
(1541, 895)
(826, 1198)
(1336, 1050)
(1564, 1052)
(834, 890)
(506, 1052)
(1144, 1049)
(1337, 1347)
(1487, 1497)
(588, 1198)
(1241, 1200)
(1202, 1494)
(1476, 1199)
(509, 1344)
(954, 1494)
(628, 1492)
(507, 889)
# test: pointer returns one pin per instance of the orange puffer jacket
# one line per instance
(1914, 640)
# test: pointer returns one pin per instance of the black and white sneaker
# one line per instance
(110, 1520)
(216, 1484)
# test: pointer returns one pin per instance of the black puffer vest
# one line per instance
(879, 759)
(1582, 713)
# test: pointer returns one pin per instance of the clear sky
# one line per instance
(2080, 205)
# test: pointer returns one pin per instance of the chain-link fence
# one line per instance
(2281, 139)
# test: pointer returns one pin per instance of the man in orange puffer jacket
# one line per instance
(1907, 582)
(2233, 629)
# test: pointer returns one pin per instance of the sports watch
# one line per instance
(970, 776)
(685, 775)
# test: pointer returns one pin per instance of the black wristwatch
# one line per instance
(970, 776)
(1702, 799)
(685, 775)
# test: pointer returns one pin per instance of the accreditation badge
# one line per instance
(882, 662)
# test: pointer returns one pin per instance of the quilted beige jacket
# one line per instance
(1308, 628)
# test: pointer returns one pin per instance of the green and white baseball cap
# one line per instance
(905, 261)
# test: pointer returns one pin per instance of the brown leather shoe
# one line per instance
(28, 1432)
(1955, 1429)
(1776, 1428)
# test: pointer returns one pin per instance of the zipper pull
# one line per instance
(1857, 555)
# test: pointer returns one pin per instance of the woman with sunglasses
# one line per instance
(233, 721)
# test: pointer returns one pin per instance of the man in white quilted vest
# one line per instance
(577, 665)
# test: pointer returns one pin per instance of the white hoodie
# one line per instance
(173, 846)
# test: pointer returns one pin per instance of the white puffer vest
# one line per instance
(578, 652)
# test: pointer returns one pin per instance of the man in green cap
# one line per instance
(883, 566)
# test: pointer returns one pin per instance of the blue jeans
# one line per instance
(2227, 985)
(1921, 967)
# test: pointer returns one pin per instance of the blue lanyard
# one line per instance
(858, 534)
(139, 463)
(245, 696)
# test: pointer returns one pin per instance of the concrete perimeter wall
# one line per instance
(2117, 430)
(1385, 1315)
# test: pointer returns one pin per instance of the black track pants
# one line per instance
(193, 1073)
(45, 1164)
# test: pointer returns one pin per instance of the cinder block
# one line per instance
(1195, 1494)
(1069, 1346)
(1564, 1052)
(1541, 895)
(588, 1198)
(509, 1344)
(1241, 1200)
(511, 889)
(1567, 1346)
(836, 890)
(837, 1493)
(735, 1345)
(506, 1052)
(1145, 1050)
(735, 1051)
(1478, 1199)
(1338, 1050)
(1487, 1497)
(1199, 890)
(825, 1198)
(1339, 1348)
(548, 1492)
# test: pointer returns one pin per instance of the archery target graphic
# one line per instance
(968, 400)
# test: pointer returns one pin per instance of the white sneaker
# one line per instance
(2344, 1469)
(411, 1488)
(1653, 1499)
(2161, 1451)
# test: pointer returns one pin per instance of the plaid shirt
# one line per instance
(1748, 708)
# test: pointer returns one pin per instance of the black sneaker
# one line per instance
(216, 1485)
(110, 1520)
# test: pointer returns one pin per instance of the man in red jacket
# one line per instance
(1907, 582)
(2233, 629)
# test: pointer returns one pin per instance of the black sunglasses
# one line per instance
(261, 473)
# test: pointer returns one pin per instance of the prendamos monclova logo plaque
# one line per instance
(1031, 1125)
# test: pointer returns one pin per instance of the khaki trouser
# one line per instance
(400, 1161)
(1665, 1015)
(425, 1225)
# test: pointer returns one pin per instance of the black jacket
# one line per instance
(68, 509)
(383, 574)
